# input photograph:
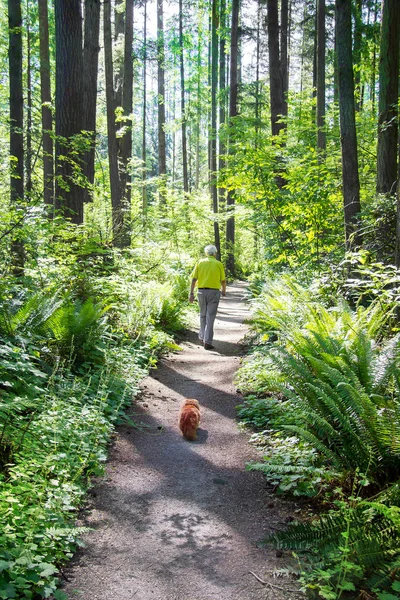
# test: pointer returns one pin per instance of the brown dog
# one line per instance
(189, 419)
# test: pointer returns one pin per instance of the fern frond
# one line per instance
(316, 443)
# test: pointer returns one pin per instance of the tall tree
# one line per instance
(45, 91)
(388, 97)
(284, 54)
(183, 110)
(69, 106)
(162, 160)
(117, 211)
(28, 151)
(233, 111)
(16, 123)
(348, 136)
(144, 113)
(125, 145)
(222, 95)
(277, 95)
(358, 21)
(90, 65)
(213, 133)
(321, 135)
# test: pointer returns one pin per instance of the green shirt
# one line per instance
(209, 273)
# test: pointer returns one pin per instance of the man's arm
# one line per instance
(191, 295)
(223, 287)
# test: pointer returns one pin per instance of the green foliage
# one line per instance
(353, 547)
(73, 351)
(341, 385)
(323, 391)
(362, 280)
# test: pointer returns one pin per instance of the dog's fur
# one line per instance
(189, 419)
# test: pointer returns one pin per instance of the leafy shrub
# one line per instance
(339, 379)
(340, 382)
(362, 280)
(71, 359)
(354, 547)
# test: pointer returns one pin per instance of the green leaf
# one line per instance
(8, 591)
(46, 570)
(60, 595)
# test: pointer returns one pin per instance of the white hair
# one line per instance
(210, 250)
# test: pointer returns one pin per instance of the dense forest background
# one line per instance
(264, 126)
(132, 134)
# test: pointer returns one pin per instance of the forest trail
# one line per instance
(179, 520)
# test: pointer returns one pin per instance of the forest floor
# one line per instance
(179, 520)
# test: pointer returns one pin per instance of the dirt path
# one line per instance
(177, 520)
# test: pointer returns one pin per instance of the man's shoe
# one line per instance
(208, 347)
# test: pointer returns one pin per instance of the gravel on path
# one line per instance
(179, 520)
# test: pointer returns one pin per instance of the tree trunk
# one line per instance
(90, 64)
(213, 133)
(388, 98)
(357, 52)
(284, 57)
(144, 150)
(321, 134)
(16, 125)
(373, 73)
(257, 92)
(351, 184)
(28, 154)
(117, 212)
(199, 106)
(275, 70)
(222, 98)
(45, 95)
(125, 145)
(183, 110)
(162, 160)
(233, 101)
(69, 105)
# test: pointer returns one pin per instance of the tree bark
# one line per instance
(144, 115)
(28, 153)
(69, 105)
(125, 146)
(90, 63)
(233, 111)
(277, 99)
(357, 52)
(284, 57)
(117, 212)
(222, 97)
(45, 96)
(213, 133)
(16, 125)
(321, 134)
(162, 159)
(388, 98)
(183, 110)
(348, 137)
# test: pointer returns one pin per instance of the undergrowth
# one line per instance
(72, 354)
(322, 392)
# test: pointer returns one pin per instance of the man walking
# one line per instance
(210, 277)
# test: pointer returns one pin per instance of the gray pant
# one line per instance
(208, 304)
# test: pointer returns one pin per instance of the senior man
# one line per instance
(210, 277)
